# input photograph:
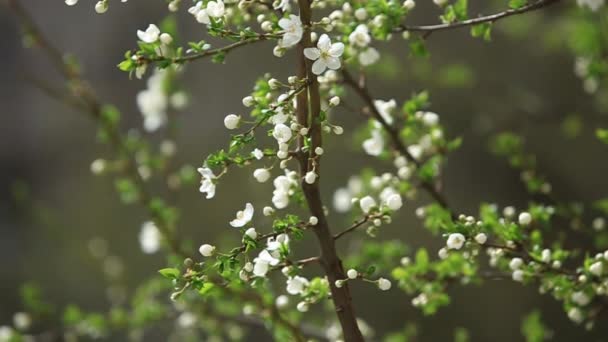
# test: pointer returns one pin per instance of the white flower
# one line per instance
(430, 118)
(310, 177)
(593, 5)
(149, 238)
(326, 55)
(261, 175)
(319, 151)
(282, 133)
(518, 275)
(257, 154)
(525, 218)
(22, 320)
(342, 200)
(166, 38)
(101, 7)
(231, 121)
(71, 2)
(394, 202)
(361, 14)
(296, 285)
(150, 35)
(268, 211)
(302, 306)
(293, 31)
(481, 238)
(186, 320)
(596, 268)
(153, 102)
(282, 301)
(367, 203)
(6, 333)
(384, 284)
(385, 108)
(576, 315)
(352, 273)
(206, 250)
(282, 5)
(369, 56)
(580, 298)
(440, 2)
(360, 36)
(455, 241)
(516, 263)
(545, 255)
(409, 4)
(207, 184)
(215, 9)
(243, 216)
(442, 253)
(262, 263)
(374, 145)
(251, 233)
(334, 101)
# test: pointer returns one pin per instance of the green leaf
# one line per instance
(602, 134)
(170, 273)
(417, 48)
(517, 3)
(483, 30)
(532, 327)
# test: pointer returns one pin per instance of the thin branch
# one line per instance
(480, 20)
(356, 225)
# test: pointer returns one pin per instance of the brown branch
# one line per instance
(476, 21)
(330, 261)
(356, 225)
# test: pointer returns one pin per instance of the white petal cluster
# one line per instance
(283, 188)
(150, 35)
(296, 285)
(270, 256)
(243, 216)
(214, 9)
(206, 250)
(207, 181)
(455, 241)
(149, 238)
(292, 27)
(153, 102)
(593, 5)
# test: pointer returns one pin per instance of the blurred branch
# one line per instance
(428, 29)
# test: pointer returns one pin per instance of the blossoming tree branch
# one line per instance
(280, 136)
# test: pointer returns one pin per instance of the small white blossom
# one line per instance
(101, 7)
(352, 273)
(394, 202)
(374, 146)
(268, 211)
(430, 118)
(367, 203)
(360, 36)
(282, 133)
(369, 56)
(282, 301)
(71, 2)
(296, 285)
(481, 238)
(150, 35)
(263, 262)
(580, 298)
(302, 306)
(576, 315)
(361, 14)
(384, 284)
(518, 275)
(516, 263)
(292, 27)
(525, 218)
(166, 38)
(326, 55)
(243, 216)
(207, 184)
(310, 177)
(409, 4)
(22, 320)
(231, 121)
(442, 253)
(455, 241)
(313, 220)
(251, 233)
(334, 101)
(206, 250)
(596, 268)
(257, 153)
(261, 175)
(149, 238)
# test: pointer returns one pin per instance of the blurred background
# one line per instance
(522, 81)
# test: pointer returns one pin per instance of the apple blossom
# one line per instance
(243, 216)
(326, 55)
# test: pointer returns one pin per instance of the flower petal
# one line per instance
(312, 53)
(319, 66)
(333, 63)
(324, 42)
(336, 49)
